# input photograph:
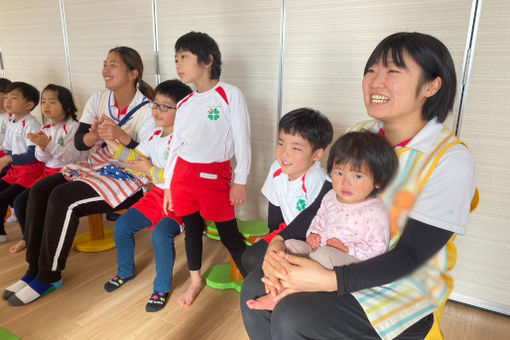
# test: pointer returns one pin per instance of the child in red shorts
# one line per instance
(211, 126)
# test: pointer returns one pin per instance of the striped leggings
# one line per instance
(53, 210)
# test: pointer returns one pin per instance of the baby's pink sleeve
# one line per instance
(319, 221)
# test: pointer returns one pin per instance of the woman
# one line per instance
(56, 203)
(409, 88)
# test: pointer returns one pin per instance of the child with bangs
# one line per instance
(54, 144)
(22, 167)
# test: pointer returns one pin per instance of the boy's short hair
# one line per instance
(30, 93)
(173, 89)
(310, 125)
(203, 46)
(4, 82)
(435, 61)
(365, 147)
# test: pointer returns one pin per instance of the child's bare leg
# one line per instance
(265, 302)
(18, 247)
(190, 294)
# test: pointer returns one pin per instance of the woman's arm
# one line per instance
(418, 243)
(83, 138)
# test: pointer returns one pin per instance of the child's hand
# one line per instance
(314, 241)
(142, 165)
(237, 194)
(4, 161)
(336, 243)
(167, 201)
(40, 139)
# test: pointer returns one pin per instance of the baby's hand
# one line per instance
(336, 243)
(314, 241)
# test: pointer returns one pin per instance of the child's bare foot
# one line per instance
(18, 247)
(265, 302)
(190, 294)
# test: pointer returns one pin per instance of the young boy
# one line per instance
(296, 182)
(20, 100)
(150, 158)
(211, 126)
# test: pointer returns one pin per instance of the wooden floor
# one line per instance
(81, 309)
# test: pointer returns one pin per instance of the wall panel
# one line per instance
(96, 26)
(482, 271)
(32, 43)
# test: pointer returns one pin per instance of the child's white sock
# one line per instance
(17, 286)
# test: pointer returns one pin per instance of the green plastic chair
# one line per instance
(227, 276)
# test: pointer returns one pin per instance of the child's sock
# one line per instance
(3, 238)
(33, 291)
(115, 283)
(156, 302)
(16, 287)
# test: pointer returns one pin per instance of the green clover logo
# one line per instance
(301, 205)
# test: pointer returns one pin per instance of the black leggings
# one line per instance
(8, 193)
(53, 210)
(20, 208)
(229, 236)
(313, 316)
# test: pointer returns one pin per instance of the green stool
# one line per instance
(6, 335)
(227, 276)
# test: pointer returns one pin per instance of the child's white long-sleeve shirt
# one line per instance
(210, 127)
(60, 151)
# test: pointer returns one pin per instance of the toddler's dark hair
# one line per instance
(30, 93)
(173, 89)
(370, 149)
(203, 46)
(310, 125)
(65, 98)
(4, 82)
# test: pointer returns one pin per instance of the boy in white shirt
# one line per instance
(21, 99)
(211, 126)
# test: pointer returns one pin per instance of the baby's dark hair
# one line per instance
(4, 82)
(65, 98)
(30, 93)
(203, 46)
(173, 89)
(310, 125)
(370, 149)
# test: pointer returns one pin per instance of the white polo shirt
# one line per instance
(144, 125)
(293, 196)
(16, 139)
(445, 200)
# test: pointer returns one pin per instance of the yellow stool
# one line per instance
(228, 276)
(97, 238)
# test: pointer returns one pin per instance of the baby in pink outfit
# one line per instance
(352, 223)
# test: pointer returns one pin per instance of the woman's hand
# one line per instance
(40, 139)
(304, 275)
(143, 165)
(271, 265)
(109, 130)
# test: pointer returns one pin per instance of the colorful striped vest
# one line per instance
(395, 306)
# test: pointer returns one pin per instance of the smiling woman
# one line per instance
(57, 202)
(409, 88)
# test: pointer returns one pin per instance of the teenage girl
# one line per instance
(54, 143)
(56, 203)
